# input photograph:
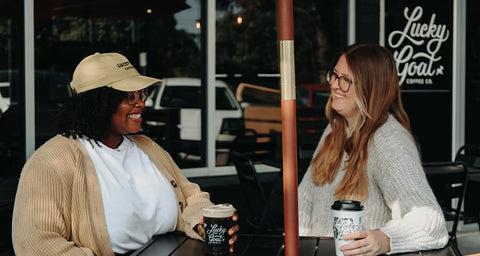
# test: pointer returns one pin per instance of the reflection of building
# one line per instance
(57, 37)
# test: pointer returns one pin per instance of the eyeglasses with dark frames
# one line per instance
(343, 82)
(134, 97)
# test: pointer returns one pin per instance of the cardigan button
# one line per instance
(174, 184)
(181, 206)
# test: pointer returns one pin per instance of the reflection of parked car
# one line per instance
(185, 94)
(51, 89)
(262, 113)
(262, 107)
(4, 96)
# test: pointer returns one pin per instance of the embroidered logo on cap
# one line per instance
(125, 64)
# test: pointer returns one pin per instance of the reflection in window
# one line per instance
(320, 98)
(12, 130)
(162, 42)
(189, 97)
(302, 96)
(247, 52)
(4, 96)
(181, 97)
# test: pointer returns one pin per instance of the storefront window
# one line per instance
(165, 41)
(168, 44)
(160, 38)
(247, 60)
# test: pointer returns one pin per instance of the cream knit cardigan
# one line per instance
(400, 201)
(58, 207)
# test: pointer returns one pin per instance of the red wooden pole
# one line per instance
(289, 128)
(285, 19)
(290, 177)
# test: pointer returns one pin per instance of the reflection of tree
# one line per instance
(172, 53)
(252, 47)
(320, 29)
(69, 39)
(249, 48)
(10, 34)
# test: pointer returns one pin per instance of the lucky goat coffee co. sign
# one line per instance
(419, 34)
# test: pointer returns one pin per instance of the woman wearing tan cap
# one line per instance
(95, 190)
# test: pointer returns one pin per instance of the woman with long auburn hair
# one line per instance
(367, 153)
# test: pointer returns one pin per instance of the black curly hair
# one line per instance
(89, 114)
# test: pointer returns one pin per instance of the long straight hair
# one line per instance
(377, 93)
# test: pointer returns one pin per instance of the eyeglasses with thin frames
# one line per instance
(134, 97)
(343, 82)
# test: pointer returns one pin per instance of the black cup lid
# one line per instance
(347, 205)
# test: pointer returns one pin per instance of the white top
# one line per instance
(400, 201)
(138, 201)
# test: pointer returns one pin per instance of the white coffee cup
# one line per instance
(347, 218)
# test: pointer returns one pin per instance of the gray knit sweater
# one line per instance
(400, 202)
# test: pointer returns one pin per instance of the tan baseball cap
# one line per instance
(109, 69)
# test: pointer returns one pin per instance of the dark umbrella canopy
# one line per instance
(101, 9)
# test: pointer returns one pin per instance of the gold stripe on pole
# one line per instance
(287, 70)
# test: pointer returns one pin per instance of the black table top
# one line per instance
(162, 244)
(177, 244)
(325, 246)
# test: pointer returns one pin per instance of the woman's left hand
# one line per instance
(368, 242)
(232, 231)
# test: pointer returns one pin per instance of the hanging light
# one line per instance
(149, 11)
(197, 24)
(239, 20)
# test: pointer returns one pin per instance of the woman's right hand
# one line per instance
(232, 231)
(369, 242)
